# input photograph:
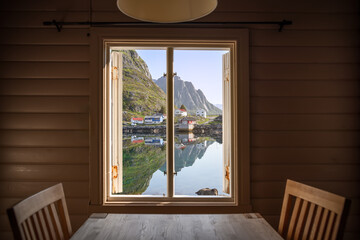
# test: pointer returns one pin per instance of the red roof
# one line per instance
(137, 119)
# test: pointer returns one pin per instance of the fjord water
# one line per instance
(198, 164)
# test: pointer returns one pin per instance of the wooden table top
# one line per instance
(176, 226)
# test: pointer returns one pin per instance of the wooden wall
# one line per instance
(304, 100)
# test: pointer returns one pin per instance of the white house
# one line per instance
(201, 113)
(153, 119)
(180, 113)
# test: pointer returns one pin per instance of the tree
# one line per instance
(182, 106)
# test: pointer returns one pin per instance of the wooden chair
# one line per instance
(315, 214)
(41, 216)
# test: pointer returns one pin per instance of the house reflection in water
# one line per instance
(135, 139)
(186, 138)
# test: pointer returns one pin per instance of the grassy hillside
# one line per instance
(141, 96)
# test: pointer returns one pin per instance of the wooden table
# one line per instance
(176, 226)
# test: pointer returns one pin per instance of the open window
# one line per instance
(168, 123)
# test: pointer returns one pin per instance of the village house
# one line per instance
(135, 121)
(201, 113)
(154, 119)
(180, 113)
(188, 120)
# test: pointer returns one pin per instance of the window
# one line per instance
(165, 187)
(165, 138)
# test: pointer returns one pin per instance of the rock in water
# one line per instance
(207, 191)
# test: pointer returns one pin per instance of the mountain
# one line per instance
(141, 96)
(185, 93)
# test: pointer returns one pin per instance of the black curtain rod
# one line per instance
(59, 25)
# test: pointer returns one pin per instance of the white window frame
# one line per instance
(110, 131)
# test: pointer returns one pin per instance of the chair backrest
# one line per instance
(315, 214)
(41, 216)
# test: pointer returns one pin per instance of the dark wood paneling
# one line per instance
(33, 19)
(44, 121)
(305, 55)
(44, 104)
(18, 189)
(308, 105)
(24, 53)
(308, 88)
(38, 138)
(44, 87)
(44, 173)
(48, 155)
(70, 70)
(301, 155)
(302, 172)
(305, 139)
(44, 36)
(297, 38)
(297, 122)
(45, 5)
(285, 71)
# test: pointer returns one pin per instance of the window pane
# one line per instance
(140, 170)
(198, 97)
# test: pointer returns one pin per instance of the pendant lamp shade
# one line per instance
(166, 11)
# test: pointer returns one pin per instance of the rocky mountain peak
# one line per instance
(185, 93)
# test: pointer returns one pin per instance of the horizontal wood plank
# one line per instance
(35, 18)
(48, 155)
(44, 70)
(295, 122)
(45, 5)
(285, 71)
(31, 104)
(275, 190)
(308, 105)
(44, 87)
(305, 139)
(44, 36)
(311, 155)
(302, 172)
(28, 53)
(20, 189)
(304, 55)
(44, 173)
(44, 138)
(43, 121)
(315, 88)
(308, 38)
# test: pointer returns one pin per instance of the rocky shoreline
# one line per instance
(161, 129)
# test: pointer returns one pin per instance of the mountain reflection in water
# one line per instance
(144, 162)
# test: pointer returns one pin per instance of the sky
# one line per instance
(201, 67)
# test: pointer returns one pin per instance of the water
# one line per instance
(198, 164)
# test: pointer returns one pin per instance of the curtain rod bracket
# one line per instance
(283, 23)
